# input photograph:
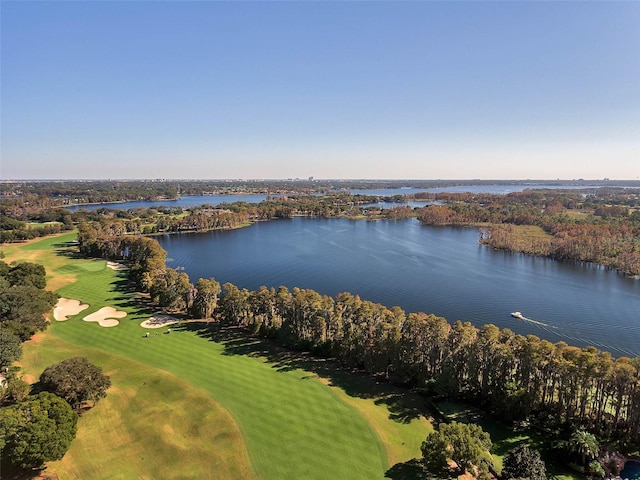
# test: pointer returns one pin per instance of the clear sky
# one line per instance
(422, 90)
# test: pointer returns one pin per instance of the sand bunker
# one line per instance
(116, 266)
(106, 317)
(68, 307)
(159, 321)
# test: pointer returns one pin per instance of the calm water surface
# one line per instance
(435, 270)
(183, 202)
(197, 200)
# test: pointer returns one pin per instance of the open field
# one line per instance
(206, 402)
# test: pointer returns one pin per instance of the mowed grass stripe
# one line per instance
(141, 429)
(281, 414)
(293, 425)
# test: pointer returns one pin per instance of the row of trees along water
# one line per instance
(518, 377)
(76, 192)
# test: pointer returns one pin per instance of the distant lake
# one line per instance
(439, 270)
(197, 200)
(183, 202)
(494, 189)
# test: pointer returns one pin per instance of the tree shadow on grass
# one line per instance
(16, 473)
(409, 470)
(403, 405)
(68, 249)
(140, 303)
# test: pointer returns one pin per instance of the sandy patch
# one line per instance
(68, 307)
(158, 321)
(116, 266)
(106, 317)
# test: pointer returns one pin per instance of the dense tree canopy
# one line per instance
(465, 444)
(36, 430)
(27, 274)
(23, 300)
(23, 309)
(10, 347)
(76, 380)
(522, 462)
(206, 298)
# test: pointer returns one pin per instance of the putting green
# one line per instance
(292, 424)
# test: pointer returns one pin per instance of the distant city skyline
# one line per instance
(277, 90)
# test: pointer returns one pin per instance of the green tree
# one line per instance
(10, 347)
(435, 452)
(596, 469)
(22, 309)
(76, 380)
(585, 445)
(26, 273)
(172, 290)
(522, 462)
(206, 298)
(37, 430)
(17, 390)
(466, 445)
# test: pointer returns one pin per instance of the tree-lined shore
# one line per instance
(600, 225)
(518, 377)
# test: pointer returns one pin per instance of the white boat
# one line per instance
(517, 315)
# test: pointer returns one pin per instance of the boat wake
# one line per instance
(520, 316)
(536, 322)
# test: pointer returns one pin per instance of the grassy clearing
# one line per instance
(42, 224)
(531, 231)
(214, 388)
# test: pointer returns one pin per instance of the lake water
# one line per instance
(197, 200)
(183, 202)
(501, 189)
(439, 270)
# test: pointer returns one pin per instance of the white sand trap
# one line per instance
(106, 317)
(68, 307)
(159, 321)
(116, 266)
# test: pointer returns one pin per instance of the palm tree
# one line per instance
(584, 444)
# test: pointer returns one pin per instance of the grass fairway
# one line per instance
(204, 404)
(151, 425)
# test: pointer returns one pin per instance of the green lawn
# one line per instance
(150, 423)
(171, 392)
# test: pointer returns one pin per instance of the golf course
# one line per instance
(205, 401)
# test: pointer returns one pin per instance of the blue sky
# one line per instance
(423, 90)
